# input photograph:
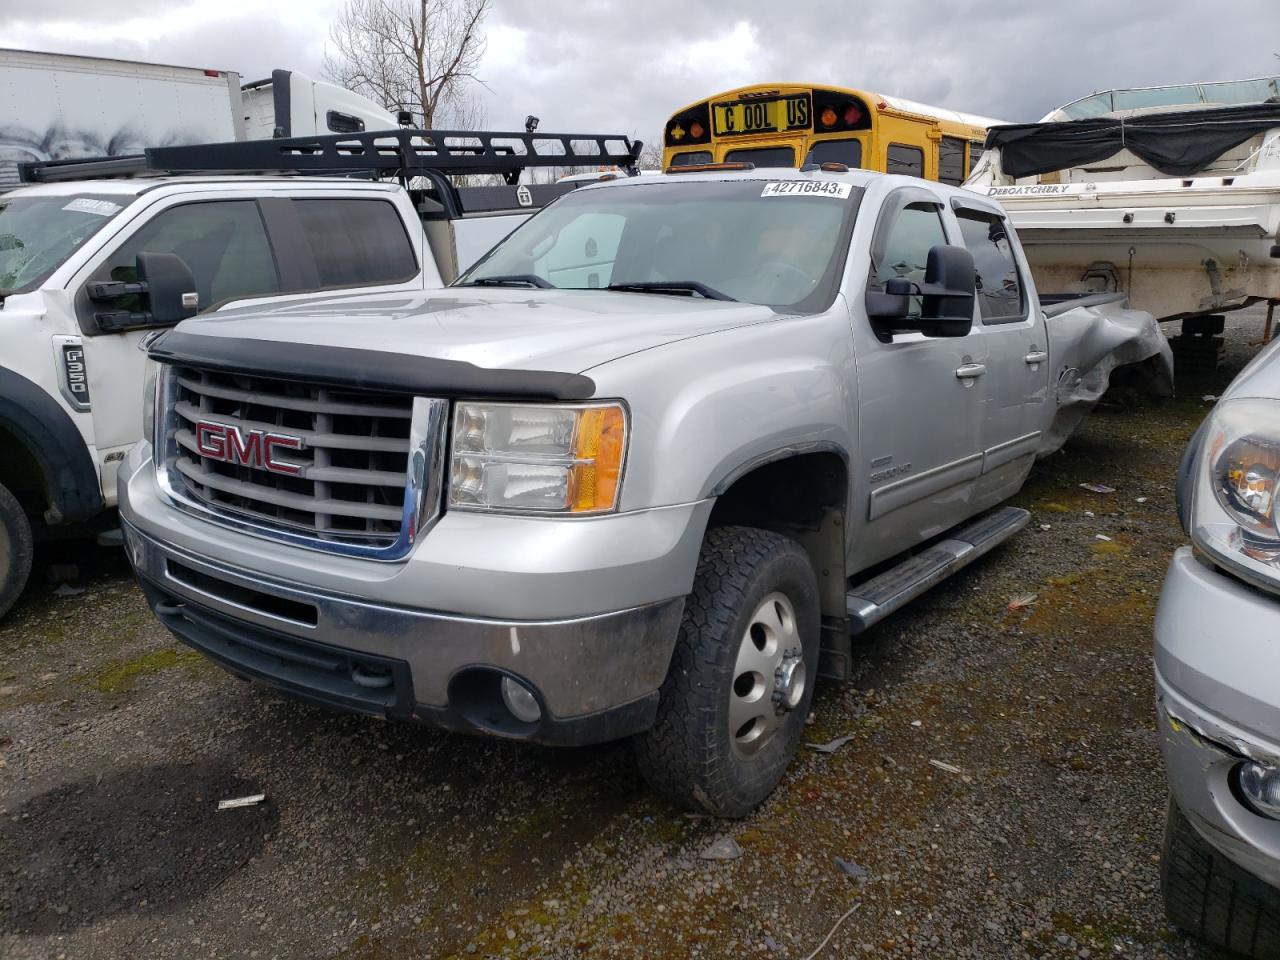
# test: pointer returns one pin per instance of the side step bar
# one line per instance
(869, 603)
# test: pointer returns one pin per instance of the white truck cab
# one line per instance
(75, 303)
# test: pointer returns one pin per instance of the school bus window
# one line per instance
(975, 154)
(763, 156)
(848, 152)
(907, 161)
(951, 161)
(690, 158)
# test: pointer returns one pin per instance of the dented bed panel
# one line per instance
(1088, 341)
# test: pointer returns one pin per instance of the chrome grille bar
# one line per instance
(334, 469)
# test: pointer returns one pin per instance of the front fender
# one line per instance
(34, 419)
(707, 409)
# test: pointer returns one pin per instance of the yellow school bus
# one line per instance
(786, 125)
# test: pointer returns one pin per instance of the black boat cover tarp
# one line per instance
(1176, 144)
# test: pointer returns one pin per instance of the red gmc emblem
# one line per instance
(253, 448)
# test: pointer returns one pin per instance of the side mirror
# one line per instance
(947, 295)
(171, 287)
(949, 289)
(164, 294)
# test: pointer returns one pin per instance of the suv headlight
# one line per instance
(1234, 514)
(537, 458)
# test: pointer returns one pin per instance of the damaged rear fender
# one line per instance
(1088, 340)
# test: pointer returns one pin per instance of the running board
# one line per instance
(869, 603)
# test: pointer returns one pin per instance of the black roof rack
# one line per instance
(402, 153)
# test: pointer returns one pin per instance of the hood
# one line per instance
(1260, 378)
(566, 331)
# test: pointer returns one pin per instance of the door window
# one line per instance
(999, 285)
(904, 250)
(907, 161)
(951, 161)
(356, 243)
(222, 241)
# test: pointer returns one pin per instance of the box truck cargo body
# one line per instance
(60, 107)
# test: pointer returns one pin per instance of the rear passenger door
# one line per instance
(920, 399)
(1016, 341)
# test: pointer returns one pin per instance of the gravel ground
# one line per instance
(1037, 837)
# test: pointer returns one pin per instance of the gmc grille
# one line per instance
(348, 486)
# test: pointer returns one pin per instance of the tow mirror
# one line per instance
(947, 296)
(949, 289)
(163, 294)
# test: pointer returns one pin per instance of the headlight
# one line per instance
(1234, 504)
(553, 458)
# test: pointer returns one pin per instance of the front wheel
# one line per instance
(15, 549)
(1212, 898)
(733, 705)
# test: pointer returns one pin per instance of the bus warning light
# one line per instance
(677, 132)
(828, 117)
(852, 114)
(696, 130)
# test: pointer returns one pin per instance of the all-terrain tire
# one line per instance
(688, 755)
(15, 550)
(1212, 899)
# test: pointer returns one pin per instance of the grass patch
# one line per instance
(118, 677)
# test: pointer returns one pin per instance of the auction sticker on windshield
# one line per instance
(807, 188)
(103, 208)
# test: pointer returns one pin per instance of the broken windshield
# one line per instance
(38, 233)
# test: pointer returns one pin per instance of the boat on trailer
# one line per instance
(1169, 194)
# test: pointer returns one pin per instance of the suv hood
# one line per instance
(566, 331)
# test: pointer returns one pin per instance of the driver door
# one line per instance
(224, 242)
(920, 399)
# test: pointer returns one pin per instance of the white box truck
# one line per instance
(59, 107)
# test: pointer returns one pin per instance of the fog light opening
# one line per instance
(520, 701)
(1258, 785)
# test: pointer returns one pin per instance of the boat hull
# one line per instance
(1179, 248)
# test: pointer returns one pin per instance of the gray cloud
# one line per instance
(624, 66)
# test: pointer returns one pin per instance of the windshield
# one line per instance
(775, 243)
(39, 233)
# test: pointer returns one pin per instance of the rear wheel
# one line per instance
(15, 550)
(1211, 898)
(733, 705)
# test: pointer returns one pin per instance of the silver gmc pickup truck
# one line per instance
(642, 471)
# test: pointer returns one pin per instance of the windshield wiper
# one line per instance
(510, 280)
(684, 288)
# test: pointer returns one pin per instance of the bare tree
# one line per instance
(651, 155)
(416, 55)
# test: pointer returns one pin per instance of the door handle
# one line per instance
(1036, 356)
(969, 371)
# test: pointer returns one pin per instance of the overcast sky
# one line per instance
(589, 65)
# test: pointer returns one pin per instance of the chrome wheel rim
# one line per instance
(768, 675)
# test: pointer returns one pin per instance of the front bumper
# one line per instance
(430, 637)
(595, 678)
(1217, 657)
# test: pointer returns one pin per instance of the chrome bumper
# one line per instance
(597, 677)
(1214, 660)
